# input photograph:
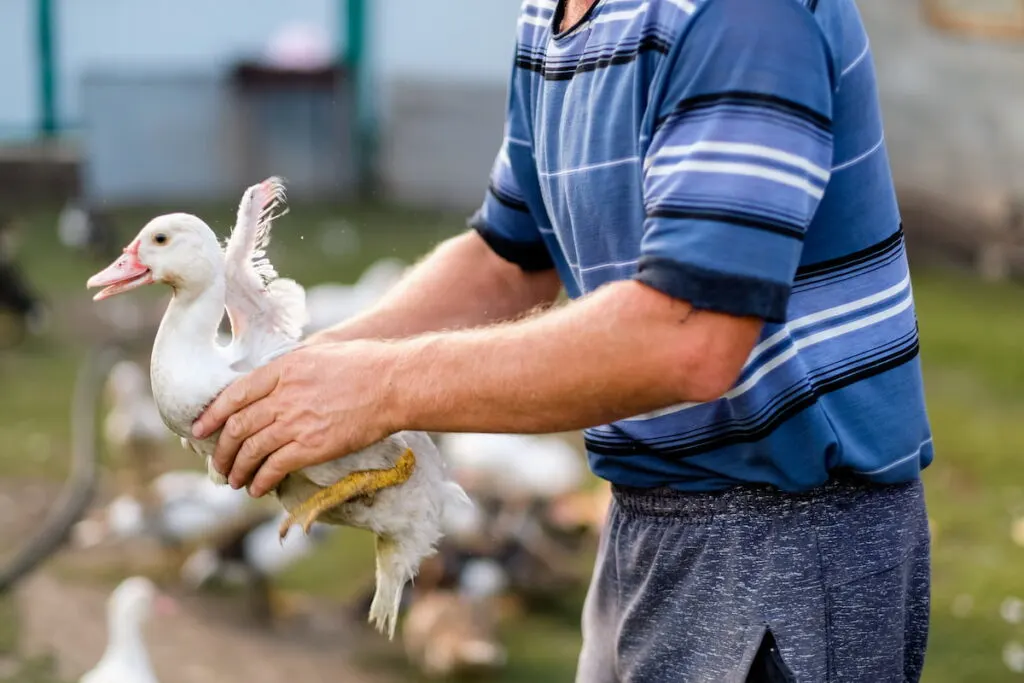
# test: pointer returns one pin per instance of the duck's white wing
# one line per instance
(267, 312)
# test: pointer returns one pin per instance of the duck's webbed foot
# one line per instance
(355, 485)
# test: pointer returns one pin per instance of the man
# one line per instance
(708, 181)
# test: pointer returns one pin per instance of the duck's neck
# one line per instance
(191, 320)
(125, 644)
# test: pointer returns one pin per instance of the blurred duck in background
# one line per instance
(331, 303)
(252, 554)
(129, 607)
(133, 429)
(17, 298)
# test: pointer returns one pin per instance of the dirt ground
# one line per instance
(61, 610)
(196, 645)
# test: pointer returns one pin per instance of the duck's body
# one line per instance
(125, 659)
(396, 488)
(182, 395)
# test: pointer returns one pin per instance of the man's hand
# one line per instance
(307, 407)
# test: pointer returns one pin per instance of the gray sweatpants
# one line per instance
(757, 585)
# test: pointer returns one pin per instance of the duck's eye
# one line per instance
(160, 238)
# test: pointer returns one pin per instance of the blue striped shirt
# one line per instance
(729, 153)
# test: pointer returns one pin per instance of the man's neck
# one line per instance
(574, 11)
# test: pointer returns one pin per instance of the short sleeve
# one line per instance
(504, 220)
(739, 157)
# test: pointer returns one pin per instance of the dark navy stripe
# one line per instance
(861, 270)
(716, 291)
(507, 199)
(594, 63)
(740, 97)
(860, 257)
(741, 218)
(767, 412)
(529, 256)
(798, 403)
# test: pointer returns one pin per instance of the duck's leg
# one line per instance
(355, 485)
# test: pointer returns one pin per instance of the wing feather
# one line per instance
(267, 312)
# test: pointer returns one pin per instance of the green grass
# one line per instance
(973, 356)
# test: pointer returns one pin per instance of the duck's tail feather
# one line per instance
(394, 570)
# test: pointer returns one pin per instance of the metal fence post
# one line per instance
(48, 124)
(364, 129)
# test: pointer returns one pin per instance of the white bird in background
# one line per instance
(73, 226)
(404, 475)
(260, 550)
(331, 303)
(253, 554)
(182, 507)
(515, 465)
(125, 659)
(133, 424)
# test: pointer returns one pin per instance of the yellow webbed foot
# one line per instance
(355, 485)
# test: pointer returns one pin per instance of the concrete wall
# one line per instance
(954, 107)
(441, 69)
(102, 35)
(157, 136)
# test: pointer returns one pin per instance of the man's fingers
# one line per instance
(254, 451)
(279, 464)
(254, 386)
(239, 427)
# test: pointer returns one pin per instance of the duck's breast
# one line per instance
(184, 386)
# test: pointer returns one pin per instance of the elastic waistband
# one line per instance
(749, 500)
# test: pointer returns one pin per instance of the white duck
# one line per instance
(331, 303)
(186, 507)
(133, 420)
(125, 659)
(179, 508)
(252, 555)
(516, 465)
(133, 425)
(397, 488)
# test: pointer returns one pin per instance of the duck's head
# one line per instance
(177, 249)
(135, 599)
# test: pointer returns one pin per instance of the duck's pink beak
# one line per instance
(122, 275)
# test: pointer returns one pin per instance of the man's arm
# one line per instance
(623, 350)
(462, 283)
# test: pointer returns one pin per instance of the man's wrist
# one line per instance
(400, 367)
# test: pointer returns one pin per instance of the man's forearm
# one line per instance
(623, 350)
(462, 283)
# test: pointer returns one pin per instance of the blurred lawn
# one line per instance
(972, 350)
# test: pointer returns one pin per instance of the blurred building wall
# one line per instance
(441, 95)
(953, 106)
(136, 35)
(18, 81)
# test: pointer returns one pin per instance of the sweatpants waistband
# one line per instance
(759, 500)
